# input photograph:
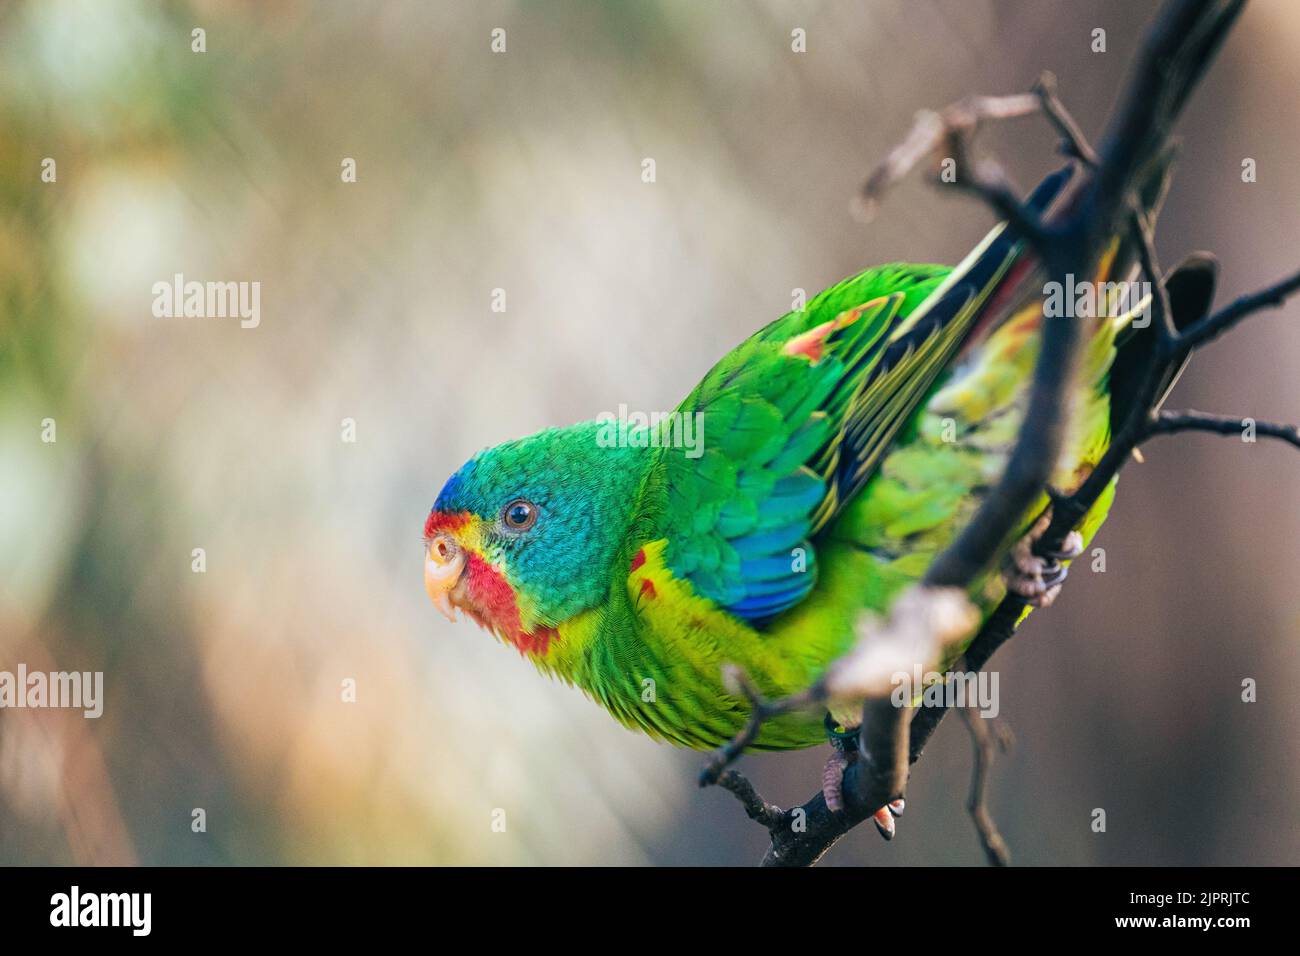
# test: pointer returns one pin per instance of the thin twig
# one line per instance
(768, 814)
(983, 744)
(1073, 142)
(989, 182)
(761, 710)
(1169, 422)
(953, 127)
(1211, 327)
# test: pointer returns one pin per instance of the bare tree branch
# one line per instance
(988, 181)
(1073, 143)
(1167, 423)
(954, 126)
(758, 809)
(761, 710)
(1093, 208)
(1144, 419)
(984, 743)
(1210, 328)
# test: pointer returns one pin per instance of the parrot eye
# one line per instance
(519, 515)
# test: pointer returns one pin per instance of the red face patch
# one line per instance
(495, 605)
(442, 521)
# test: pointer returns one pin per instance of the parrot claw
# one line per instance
(884, 821)
(885, 816)
(1071, 547)
(1038, 579)
(833, 793)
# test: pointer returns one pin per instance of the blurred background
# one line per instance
(521, 171)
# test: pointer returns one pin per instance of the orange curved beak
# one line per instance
(443, 563)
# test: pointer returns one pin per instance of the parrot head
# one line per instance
(524, 535)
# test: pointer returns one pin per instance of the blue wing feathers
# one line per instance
(805, 436)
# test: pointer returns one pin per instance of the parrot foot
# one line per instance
(833, 780)
(843, 753)
(884, 817)
(833, 793)
(1038, 579)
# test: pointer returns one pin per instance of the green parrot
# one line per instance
(813, 475)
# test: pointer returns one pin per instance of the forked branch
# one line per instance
(1069, 240)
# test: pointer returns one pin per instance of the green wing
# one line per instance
(791, 424)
